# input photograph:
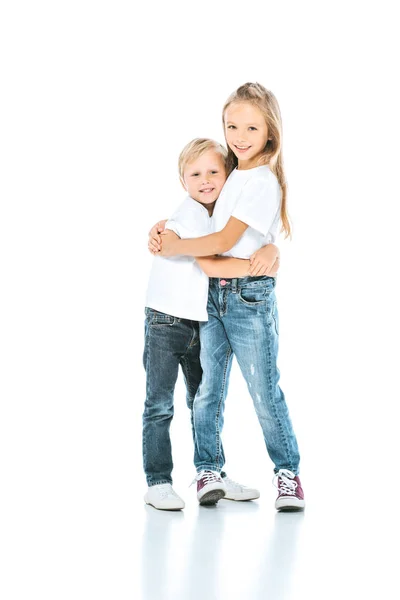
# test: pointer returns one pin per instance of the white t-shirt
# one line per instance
(254, 197)
(177, 286)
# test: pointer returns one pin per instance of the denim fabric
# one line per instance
(243, 321)
(169, 342)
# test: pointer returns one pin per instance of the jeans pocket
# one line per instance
(253, 295)
(158, 318)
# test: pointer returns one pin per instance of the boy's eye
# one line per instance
(231, 127)
(194, 174)
(253, 128)
(214, 172)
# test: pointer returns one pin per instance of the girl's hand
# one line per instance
(168, 243)
(154, 243)
(262, 262)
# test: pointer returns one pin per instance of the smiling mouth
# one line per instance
(242, 148)
(207, 190)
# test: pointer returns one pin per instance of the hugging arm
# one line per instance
(265, 261)
(224, 266)
(261, 262)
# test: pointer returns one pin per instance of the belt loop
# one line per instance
(234, 285)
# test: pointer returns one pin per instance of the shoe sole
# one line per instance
(163, 507)
(290, 507)
(212, 497)
(241, 499)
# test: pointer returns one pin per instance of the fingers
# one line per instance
(252, 258)
(161, 226)
(156, 239)
(153, 247)
(255, 268)
(259, 269)
(153, 231)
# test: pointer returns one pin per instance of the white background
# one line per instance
(98, 99)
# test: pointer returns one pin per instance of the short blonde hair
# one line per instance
(197, 148)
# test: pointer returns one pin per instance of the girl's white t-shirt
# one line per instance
(254, 197)
(177, 286)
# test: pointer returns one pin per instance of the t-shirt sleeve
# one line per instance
(174, 226)
(186, 223)
(258, 204)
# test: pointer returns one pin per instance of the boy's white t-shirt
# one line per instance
(177, 286)
(254, 197)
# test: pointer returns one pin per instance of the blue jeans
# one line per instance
(169, 342)
(243, 321)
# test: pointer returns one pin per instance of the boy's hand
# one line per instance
(275, 268)
(262, 262)
(154, 243)
(168, 243)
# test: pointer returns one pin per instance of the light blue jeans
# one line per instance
(243, 321)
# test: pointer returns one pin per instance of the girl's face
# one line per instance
(246, 133)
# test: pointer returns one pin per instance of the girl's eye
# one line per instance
(214, 172)
(195, 175)
(253, 128)
(231, 127)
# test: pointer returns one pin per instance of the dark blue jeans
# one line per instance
(169, 342)
(242, 321)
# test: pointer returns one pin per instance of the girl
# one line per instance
(243, 316)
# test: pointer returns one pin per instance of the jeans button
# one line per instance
(223, 282)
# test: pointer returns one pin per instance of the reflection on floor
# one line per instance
(227, 551)
(248, 551)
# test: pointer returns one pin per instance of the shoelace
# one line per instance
(233, 483)
(209, 476)
(164, 493)
(288, 485)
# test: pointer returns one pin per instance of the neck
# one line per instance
(209, 207)
(244, 165)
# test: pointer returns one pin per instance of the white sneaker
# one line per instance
(237, 491)
(163, 497)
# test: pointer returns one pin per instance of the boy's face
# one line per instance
(204, 177)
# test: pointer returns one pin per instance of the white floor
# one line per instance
(337, 548)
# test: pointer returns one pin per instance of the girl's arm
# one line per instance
(215, 243)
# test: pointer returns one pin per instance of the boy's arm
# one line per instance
(260, 261)
(225, 266)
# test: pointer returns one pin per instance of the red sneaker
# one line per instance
(210, 487)
(290, 493)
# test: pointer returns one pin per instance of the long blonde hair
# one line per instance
(266, 102)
